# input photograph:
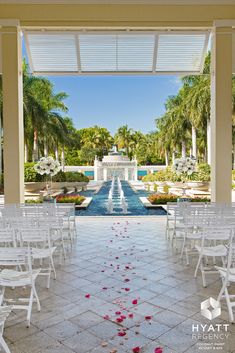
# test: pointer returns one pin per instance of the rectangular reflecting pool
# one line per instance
(99, 204)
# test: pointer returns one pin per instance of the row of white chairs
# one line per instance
(206, 230)
(29, 237)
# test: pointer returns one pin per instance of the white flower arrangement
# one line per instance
(47, 165)
(185, 166)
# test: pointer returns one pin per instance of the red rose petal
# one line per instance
(106, 317)
(127, 289)
(118, 312)
(148, 317)
(136, 350)
(158, 350)
(122, 333)
(123, 317)
(119, 319)
(135, 301)
(131, 316)
(87, 296)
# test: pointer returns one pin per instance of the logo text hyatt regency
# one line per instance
(210, 332)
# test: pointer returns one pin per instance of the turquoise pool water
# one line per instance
(98, 206)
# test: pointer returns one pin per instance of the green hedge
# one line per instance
(31, 175)
(76, 199)
(167, 174)
(156, 199)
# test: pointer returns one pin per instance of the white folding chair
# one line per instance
(11, 278)
(227, 275)
(4, 312)
(7, 237)
(39, 239)
(215, 243)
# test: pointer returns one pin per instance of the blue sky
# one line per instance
(112, 101)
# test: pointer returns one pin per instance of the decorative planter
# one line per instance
(161, 183)
(199, 185)
(37, 187)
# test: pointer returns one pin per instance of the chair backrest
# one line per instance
(33, 236)
(7, 237)
(224, 233)
(16, 257)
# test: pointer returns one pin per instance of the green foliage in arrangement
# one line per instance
(76, 199)
(33, 201)
(157, 199)
(163, 175)
(233, 175)
(202, 174)
(32, 176)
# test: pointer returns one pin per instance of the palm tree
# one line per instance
(197, 102)
(123, 138)
(40, 104)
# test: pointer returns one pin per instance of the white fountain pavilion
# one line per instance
(115, 165)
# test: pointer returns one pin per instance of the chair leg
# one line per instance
(2, 295)
(4, 345)
(49, 276)
(53, 266)
(203, 275)
(30, 307)
(222, 291)
(197, 267)
(166, 232)
(36, 297)
(230, 309)
(183, 246)
(187, 258)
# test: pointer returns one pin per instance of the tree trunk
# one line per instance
(26, 153)
(194, 142)
(45, 149)
(183, 153)
(208, 142)
(62, 158)
(173, 156)
(166, 158)
(35, 145)
(56, 153)
(234, 156)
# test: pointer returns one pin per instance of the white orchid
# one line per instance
(184, 166)
(48, 166)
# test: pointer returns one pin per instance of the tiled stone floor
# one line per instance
(115, 262)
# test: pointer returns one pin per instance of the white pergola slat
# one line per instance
(116, 52)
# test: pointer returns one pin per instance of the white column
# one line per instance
(13, 115)
(126, 174)
(221, 115)
(183, 147)
(105, 174)
(95, 169)
(208, 136)
(194, 142)
(136, 170)
(62, 158)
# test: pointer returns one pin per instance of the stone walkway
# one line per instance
(121, 289)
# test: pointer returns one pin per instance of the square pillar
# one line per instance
(126, 174)
(13, 125)
(221, 115)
